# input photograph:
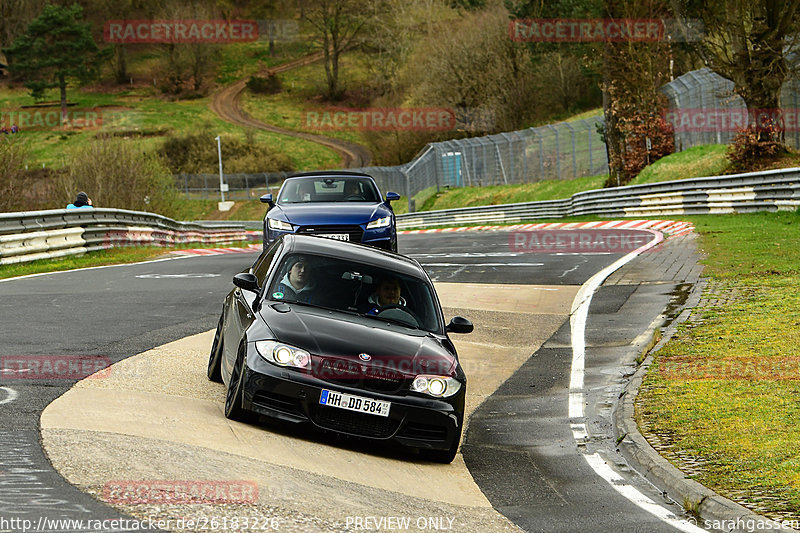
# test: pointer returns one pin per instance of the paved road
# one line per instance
(519, 446)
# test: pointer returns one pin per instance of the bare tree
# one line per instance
(747, 41)
(473, 65)
(402, 24)
(337, 24)
(15, 15)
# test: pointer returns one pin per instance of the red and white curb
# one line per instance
(671, 228)
(218, 251)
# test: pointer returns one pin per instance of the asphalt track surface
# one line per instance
(519, 447)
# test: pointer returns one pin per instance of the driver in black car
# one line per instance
(386, 293)
(298, 283)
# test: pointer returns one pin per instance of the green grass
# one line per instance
(699, 161)
(724, 391)
(300, 95)
(509, 194)
(139, 112)
(245, 59)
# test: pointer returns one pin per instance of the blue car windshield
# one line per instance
(356, 288)
(328, 189)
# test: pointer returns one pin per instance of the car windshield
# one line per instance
(328, 189)
(356, 288)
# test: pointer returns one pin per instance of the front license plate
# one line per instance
(336, 236)
(354, 403)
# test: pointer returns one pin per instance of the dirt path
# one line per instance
(225, 103)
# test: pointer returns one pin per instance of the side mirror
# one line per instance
(392, 196)
(459, 324)
(267, 199)
(246, 281)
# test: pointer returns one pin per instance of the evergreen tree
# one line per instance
(57, 48)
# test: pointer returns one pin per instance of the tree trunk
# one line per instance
(62, 85)
(761, 93)
(122, 64)
(335, 68)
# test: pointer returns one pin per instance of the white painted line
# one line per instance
(580, 311)
(171, 258)
(11, 395)
(600, 466)
(482, 264)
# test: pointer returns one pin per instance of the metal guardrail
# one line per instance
(31, 235)
(770, 190)
(26, 236)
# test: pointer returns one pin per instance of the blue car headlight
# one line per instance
(280, 225)
(380, 223)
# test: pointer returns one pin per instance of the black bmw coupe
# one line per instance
(345, 337)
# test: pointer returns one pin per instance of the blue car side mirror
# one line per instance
(267, 199)
(392, 196)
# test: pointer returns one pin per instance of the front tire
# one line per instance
(442, 456)
(214, 371)
(234, 398)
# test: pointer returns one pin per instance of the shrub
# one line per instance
(196, 153)
(118, 174)
(635, 130)
(755, 146)
(269, 85)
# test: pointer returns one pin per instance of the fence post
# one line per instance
(591, 164)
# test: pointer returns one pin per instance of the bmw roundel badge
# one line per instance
(365, 357)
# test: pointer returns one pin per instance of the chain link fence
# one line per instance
(706, 110)
(565, 150)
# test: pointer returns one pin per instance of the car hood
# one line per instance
(329, 213)
(333, 338)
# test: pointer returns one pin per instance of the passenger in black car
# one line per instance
(298, 284)
(387, 293)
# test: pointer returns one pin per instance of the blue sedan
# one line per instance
(346, 206)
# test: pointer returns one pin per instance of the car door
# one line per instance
(241, 304)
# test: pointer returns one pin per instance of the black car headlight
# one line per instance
(436, 386)
(283, 354)
(280, 225)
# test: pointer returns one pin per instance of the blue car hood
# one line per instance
(329, 213)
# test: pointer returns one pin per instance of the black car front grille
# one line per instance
(424, 432)
(355, 233)
(361, 424)
(278, 402)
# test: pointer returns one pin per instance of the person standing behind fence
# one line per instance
(81, 201)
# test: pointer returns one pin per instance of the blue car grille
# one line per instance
(355, 232)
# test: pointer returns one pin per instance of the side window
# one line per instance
(263, 263)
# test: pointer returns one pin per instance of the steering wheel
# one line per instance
(353, 197)
(400, 313)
